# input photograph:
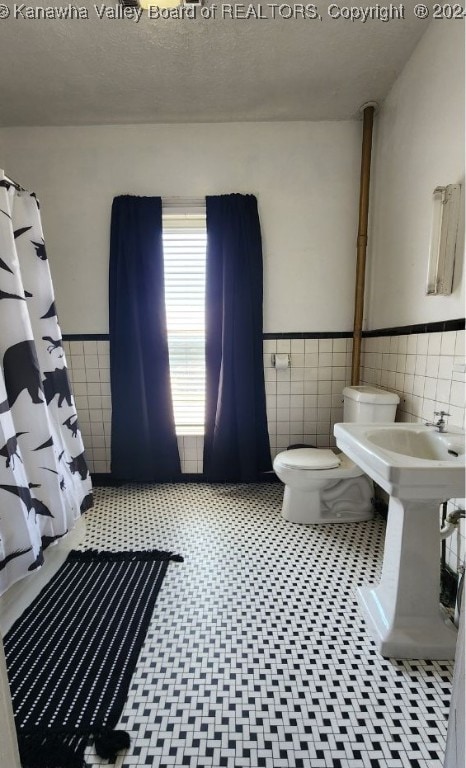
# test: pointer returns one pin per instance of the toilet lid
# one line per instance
(310, 458)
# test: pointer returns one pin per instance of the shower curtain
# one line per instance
(44, 481)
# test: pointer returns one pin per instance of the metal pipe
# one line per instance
(443, 546)
(451, 523)
(459, 596)
(368, 111)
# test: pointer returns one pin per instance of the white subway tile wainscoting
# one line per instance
(303, 401)
(89, 368)
(425, 370)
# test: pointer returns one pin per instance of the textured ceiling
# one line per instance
(90, 71)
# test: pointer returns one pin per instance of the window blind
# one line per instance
(184, 247)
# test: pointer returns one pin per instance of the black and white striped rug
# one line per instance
(71, 654)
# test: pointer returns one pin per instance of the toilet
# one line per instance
(323, 485)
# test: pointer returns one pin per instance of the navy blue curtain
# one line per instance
(144, 445)
(236, 445)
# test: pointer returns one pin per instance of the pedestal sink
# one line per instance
(420, 468)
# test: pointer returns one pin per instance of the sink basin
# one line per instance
(417, 443)
(409, 460)
(419, 467)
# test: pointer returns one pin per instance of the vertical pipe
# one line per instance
(368, 122)
(443, 544)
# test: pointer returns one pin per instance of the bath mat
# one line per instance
(71, 655)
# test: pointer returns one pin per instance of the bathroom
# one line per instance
(305, 175)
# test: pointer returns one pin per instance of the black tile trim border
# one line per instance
(85, 337)
(310, 335)
(399, 330)
(407, 330)
(297, 335)
(105, 479)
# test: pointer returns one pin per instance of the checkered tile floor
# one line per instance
(257, 654)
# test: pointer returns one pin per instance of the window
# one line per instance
(184, 248)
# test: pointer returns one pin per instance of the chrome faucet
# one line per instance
(440, 424)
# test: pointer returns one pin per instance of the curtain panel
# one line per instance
(236, 445)
(144, 445)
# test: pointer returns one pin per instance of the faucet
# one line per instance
(440, 424)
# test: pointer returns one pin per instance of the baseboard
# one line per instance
(106, 479)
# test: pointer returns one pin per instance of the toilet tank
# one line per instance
(366, 404)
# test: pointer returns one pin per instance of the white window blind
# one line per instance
(184, 248)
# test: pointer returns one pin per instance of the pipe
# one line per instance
(368, 111)
(447, 529)
(443, 546)
(459, 596)
(451, 522)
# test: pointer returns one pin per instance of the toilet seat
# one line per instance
(343, 467)
(310, 458)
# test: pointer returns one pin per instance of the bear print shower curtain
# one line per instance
(44, 480)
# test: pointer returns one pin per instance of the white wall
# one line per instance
(305, 176)
(419, 144)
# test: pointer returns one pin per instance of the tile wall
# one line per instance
(421, 368)
(425, 370)
(89, 369)
(305, 400)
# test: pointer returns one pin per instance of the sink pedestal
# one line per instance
(403, 612)
(419, 468)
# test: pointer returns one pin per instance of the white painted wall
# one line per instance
(305, 176)
(419, 144)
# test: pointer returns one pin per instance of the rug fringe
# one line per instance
(52, 751)
(177, 558)
(108, 743)
(65, 749)
(147, 554)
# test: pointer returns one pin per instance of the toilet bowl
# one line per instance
(322, 486)
(325, 486)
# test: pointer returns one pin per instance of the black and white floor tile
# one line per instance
(257, 654)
